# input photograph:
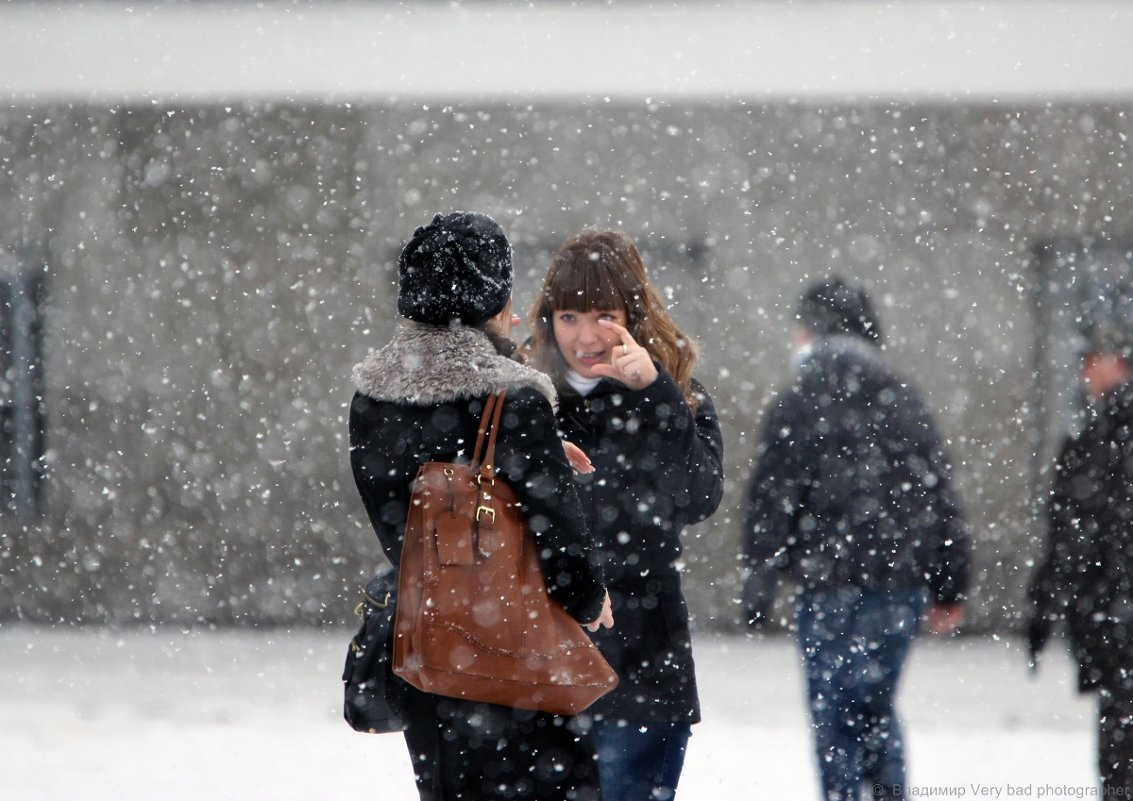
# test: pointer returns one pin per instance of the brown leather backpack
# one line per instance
(474, 619)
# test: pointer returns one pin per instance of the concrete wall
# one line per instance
(214, 272)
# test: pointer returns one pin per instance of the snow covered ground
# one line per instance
(168, 715)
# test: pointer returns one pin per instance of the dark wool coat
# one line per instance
(850, 486)
(657, 469)
(1086, 578)
(420, 399)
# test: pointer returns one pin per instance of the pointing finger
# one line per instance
(623, 334)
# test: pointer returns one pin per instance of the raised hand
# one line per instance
(630, 363)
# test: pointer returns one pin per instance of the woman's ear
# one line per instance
(505, 320)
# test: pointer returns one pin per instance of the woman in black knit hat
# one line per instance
(419, 399)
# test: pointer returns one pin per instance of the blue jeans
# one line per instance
(854, 643)
(640, 761)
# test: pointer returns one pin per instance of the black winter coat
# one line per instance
(1086, 578)
(420, 399)
(850, 486)
(657, 469)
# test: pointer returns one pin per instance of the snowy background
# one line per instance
(216, 192)
(213, 196)
(137, 715)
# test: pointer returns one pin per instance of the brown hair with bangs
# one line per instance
(604, 271)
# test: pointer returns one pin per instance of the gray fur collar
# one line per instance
(428, 364)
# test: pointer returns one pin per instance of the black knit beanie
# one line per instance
(833, 306)
(456, 269)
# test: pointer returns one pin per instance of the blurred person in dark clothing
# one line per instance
(1086, 578)
(851, 497)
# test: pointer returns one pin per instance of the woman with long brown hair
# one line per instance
(627, 397)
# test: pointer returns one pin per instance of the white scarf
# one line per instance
(582, 385)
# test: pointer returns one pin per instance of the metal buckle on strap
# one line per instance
(358, 610)
(487, 509)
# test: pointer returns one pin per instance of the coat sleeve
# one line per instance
(530, 455)
(780, 478)
(687, 458)
(380, 480)
(1052, 585)
(1047, 601)
(950, 578)
(941, 520)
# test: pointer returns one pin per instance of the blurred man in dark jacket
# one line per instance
(851, 497)
(1086, 579)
